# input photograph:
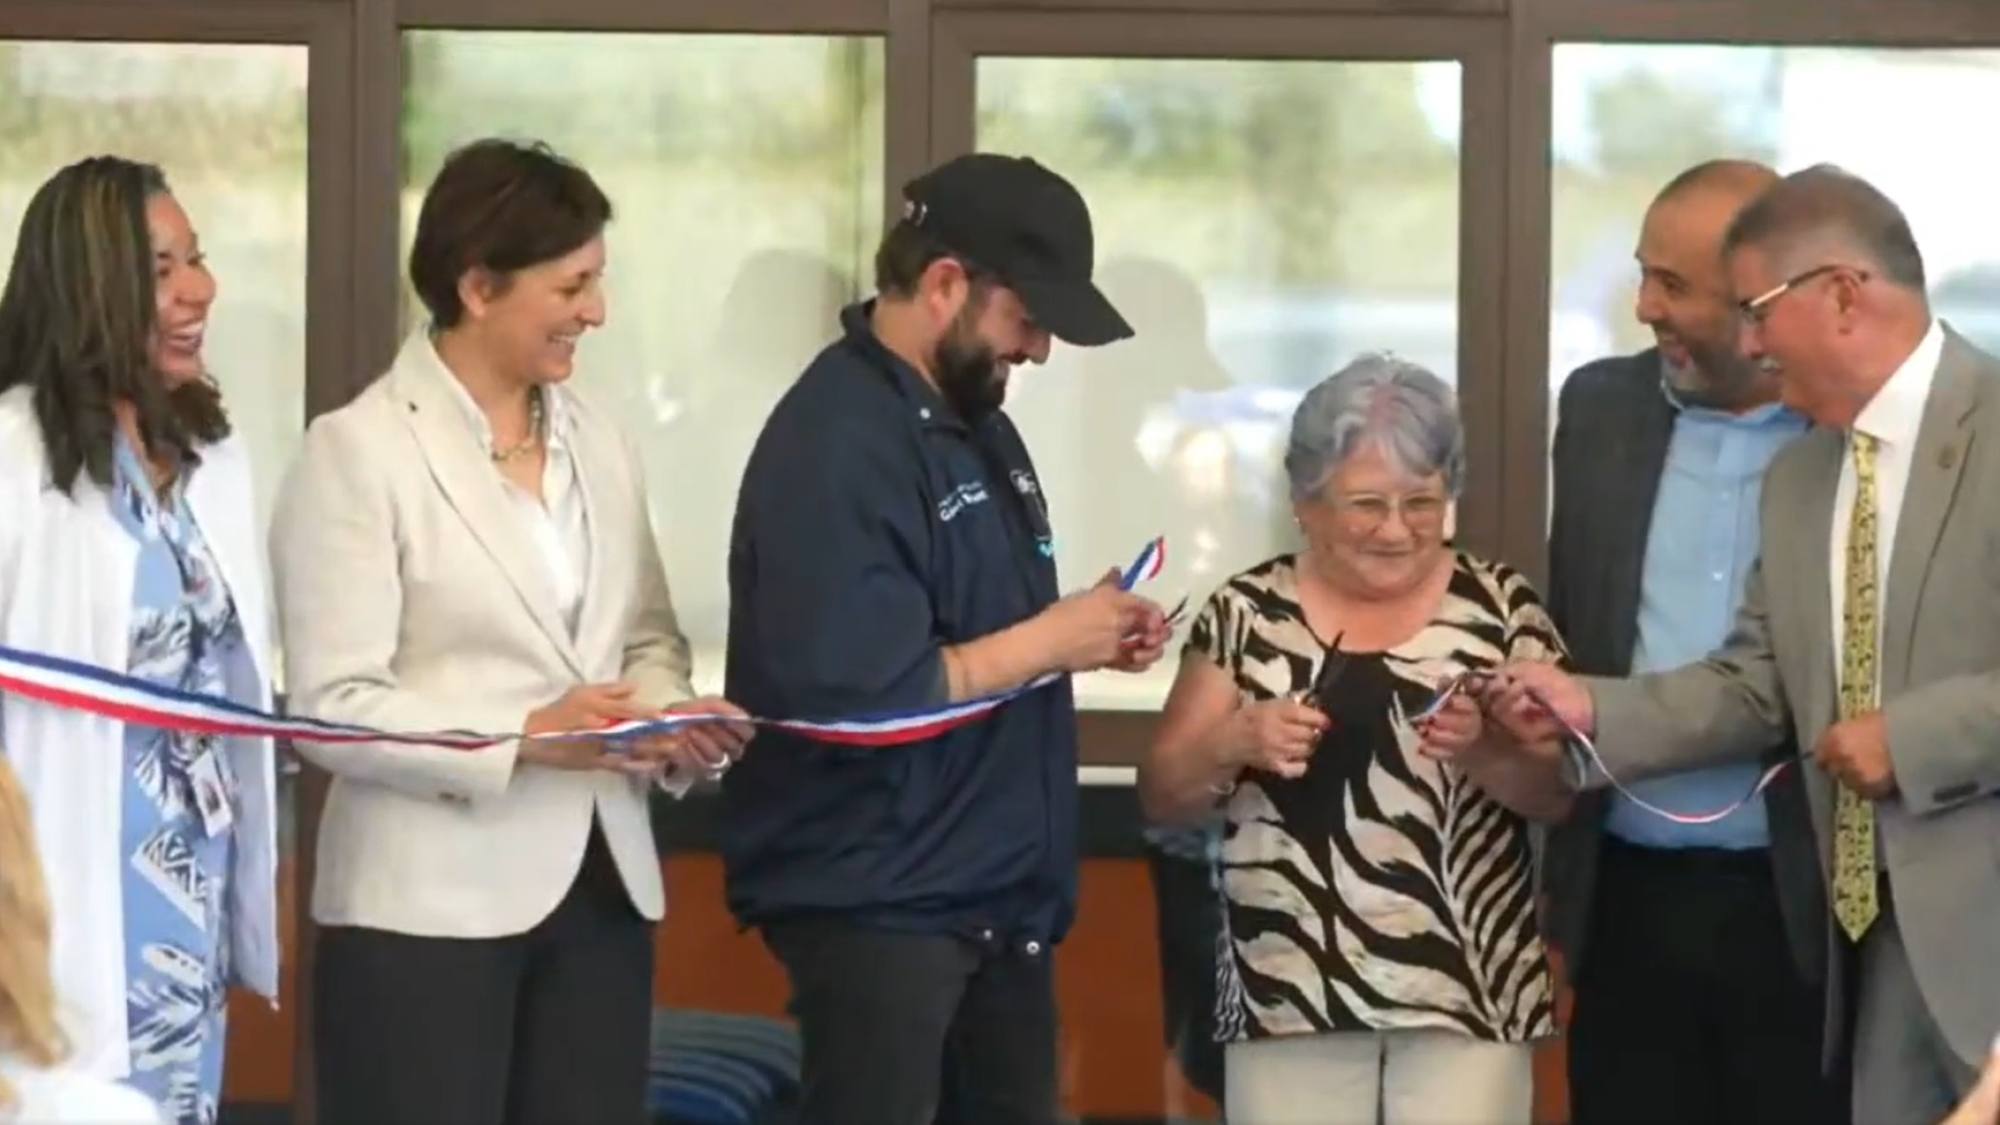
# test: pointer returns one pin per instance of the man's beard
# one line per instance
(1716, 378)
(968, 373)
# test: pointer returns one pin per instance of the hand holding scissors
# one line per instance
(1278, 736)
(1452, 721)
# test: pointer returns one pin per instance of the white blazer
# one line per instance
(66, 576)
(413, 598)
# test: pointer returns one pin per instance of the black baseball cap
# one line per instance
(1023, 222)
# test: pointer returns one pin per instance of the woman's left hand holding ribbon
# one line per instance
(559, 733)
(697, 748)
(1453, 730)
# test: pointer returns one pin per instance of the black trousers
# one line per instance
(1689, 1007)
(910, 1029)
(552, 1025)
(1190, 928)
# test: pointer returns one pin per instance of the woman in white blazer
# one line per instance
(467, 545)
(127, 543)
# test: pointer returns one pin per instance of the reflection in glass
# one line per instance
(745, 173)
(1628, 117)
(1260, 223)
(228, 124)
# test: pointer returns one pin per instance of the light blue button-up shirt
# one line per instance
(1699, 552)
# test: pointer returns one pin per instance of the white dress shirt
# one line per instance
(1892, 418)
(556, 521)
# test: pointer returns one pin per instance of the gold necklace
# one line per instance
(528, 442)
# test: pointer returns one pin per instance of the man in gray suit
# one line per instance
(1869, 631)
(1695, 952)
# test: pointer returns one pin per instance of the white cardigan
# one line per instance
(66, 576)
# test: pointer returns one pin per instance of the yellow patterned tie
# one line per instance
(1854, 902)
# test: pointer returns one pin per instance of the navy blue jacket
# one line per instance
(873, 528)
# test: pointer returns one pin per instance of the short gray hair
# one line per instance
(1409, 412)
(1825, 209)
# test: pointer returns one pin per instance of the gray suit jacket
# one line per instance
(1610, 451)
(1940, 669)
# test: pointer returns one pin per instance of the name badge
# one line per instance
(211, 793)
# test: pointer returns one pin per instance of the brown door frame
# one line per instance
(959, 37)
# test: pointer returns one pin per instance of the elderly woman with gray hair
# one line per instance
(1380, 960)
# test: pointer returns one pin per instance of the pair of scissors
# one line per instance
(1332, 663)
(1173, 620)
(1469, 680)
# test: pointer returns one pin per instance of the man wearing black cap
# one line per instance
(892, 553)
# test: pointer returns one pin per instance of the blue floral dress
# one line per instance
(176, 833)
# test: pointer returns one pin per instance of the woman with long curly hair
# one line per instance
(129, 545)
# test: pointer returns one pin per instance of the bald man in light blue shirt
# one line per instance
(1694, 950)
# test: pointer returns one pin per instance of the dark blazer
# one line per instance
(1610, 450)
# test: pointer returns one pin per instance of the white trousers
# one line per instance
(1379, 1078)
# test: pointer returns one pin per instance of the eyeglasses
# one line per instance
(1368, 511)
(1754, 310)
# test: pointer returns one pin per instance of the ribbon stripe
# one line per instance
(1583, 742)
(77, 686)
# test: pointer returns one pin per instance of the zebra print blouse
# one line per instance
(1381, 890)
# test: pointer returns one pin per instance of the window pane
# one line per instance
(227, 122)
(745, 173)
(1630, 117)
(1260, 223)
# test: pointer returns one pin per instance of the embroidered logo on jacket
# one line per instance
(961, 498)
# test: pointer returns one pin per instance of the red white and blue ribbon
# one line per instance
(1584, 743)
(77, 686)
(1151, 561)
